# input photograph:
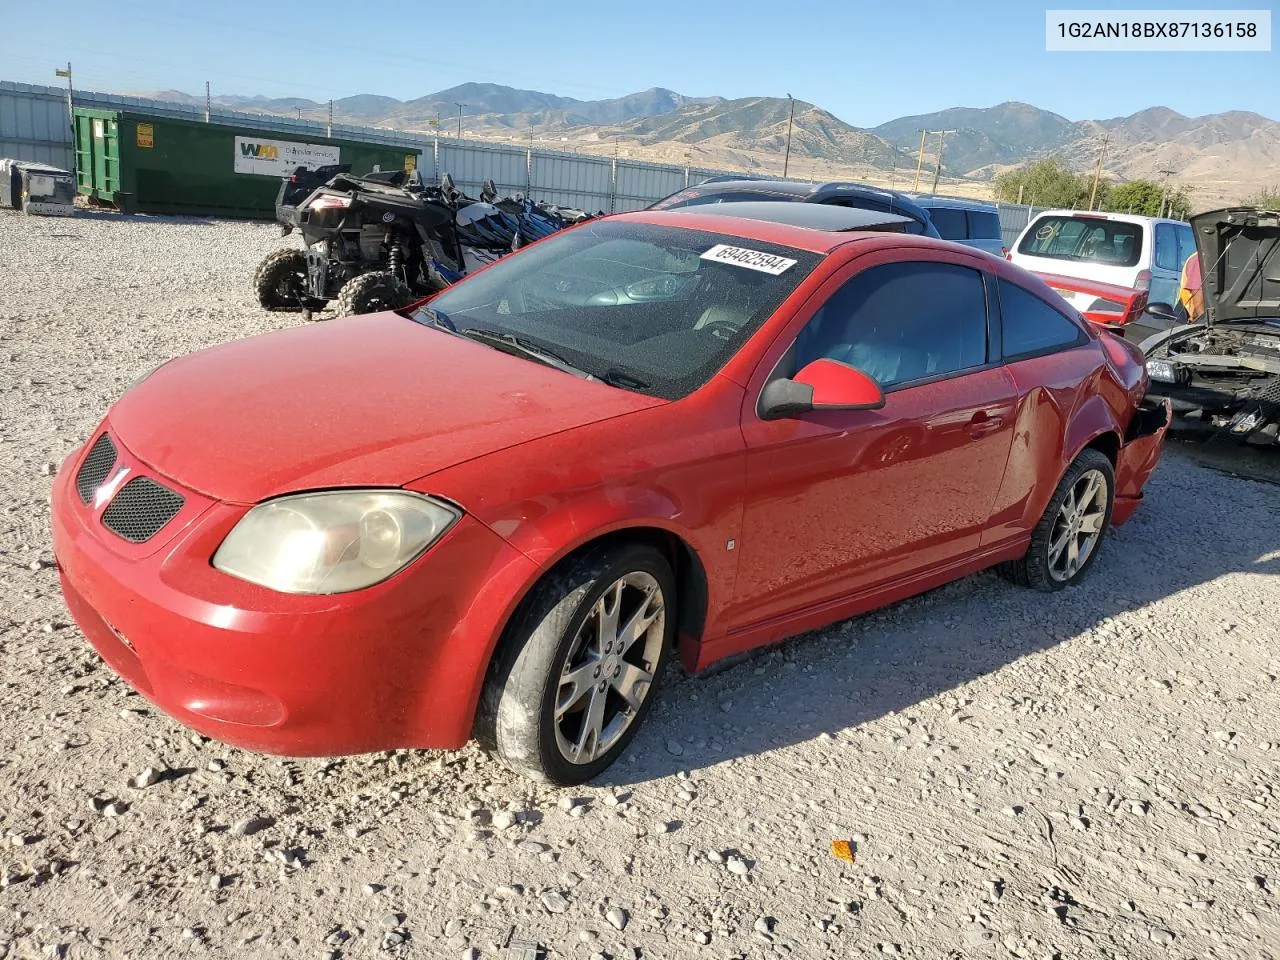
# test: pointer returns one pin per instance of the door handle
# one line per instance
(983, 423)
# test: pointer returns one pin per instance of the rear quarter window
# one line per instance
(984, 225)
(950, 222)
(1029, 327)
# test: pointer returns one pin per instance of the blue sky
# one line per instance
(867, 62)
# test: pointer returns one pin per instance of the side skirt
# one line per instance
(766, 632)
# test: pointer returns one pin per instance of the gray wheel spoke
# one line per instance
(640, 621)
(1057, 546)
(574, 685)
(607, 609)
(632, 683)
(588, 745)
(1073, 554)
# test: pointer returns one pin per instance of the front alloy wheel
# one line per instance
(609, 670)
(579, 666)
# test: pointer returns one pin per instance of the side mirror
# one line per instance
(1162, 311)
(820, 386)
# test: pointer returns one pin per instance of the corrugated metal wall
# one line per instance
(1013, 218)
(34, 126)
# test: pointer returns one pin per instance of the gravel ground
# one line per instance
(1088, 774)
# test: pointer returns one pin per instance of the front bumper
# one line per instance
(398, 664)
(1139, 454)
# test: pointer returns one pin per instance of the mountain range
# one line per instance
(1223, 156)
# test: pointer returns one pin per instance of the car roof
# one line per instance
(956, 203)
(1106, 215)
(800, 188)
(810, 216)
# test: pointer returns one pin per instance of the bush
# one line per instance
(1048, 183)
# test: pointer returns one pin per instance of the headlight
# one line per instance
(1161, 370)
(332, 542)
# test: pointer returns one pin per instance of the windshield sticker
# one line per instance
(751, 259)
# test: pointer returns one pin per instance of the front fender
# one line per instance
(1093, 418)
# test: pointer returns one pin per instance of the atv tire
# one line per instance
(280, 280)
(372, 292)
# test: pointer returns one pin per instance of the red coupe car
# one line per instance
(497, 514)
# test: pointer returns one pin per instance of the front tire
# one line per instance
(371, 293)
(580, 666)
(1067, 539)
(279, 283)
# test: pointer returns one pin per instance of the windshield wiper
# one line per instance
(617, 377)
(435, 318)
(518, 347)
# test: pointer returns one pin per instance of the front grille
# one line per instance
(140, 509)
(96, 466)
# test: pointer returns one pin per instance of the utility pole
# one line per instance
(786, 162)
(1097, 173)
(919, 161)
(71, 116)
(328, 130)
(459, 106)
(207, 101)
(937, 167)
(1164, 190)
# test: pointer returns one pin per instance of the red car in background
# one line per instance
(1105, 305)
(499, 513)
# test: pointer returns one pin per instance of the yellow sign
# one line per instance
(146, 135)
(410, 162)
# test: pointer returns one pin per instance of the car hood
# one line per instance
(373, 400)
(1240, 262)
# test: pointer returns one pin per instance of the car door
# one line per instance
(840, 501)
(1048, 355)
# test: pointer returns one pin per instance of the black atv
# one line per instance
(379, 242)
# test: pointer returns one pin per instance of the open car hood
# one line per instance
(1240, 261)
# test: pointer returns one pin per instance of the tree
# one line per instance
(1048, 183)
(1149, 199)
(1268, 199)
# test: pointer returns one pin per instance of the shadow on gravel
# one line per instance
(1194, 527)
(177, 219)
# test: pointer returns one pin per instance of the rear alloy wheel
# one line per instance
(371, 293)
(579, 670)
(1066, 540)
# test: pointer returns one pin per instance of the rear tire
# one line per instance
(279, 282)
(371, 293)
(1069, 536)
(580, 665)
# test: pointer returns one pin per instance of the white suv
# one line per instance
(1143, 253)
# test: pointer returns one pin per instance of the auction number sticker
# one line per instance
(751, 259)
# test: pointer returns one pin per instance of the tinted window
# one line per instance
(984, 225)
(901, 322)
(950, 223)
(869, 203)
(1186, 242)
(1030, 326)
(1167, 247)
(1087, 239)
(654, 309)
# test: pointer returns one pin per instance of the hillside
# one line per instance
(1220, 157)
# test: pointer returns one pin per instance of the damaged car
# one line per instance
(1225, 371)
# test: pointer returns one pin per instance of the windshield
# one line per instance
(1112, 243)
(653, 309)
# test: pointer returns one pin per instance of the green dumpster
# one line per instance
(142, 163)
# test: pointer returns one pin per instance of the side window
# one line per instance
(1029, 326)
(1167, 247)
(950, 223)
(984, 225)
(901, 322)
(1186, 243)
